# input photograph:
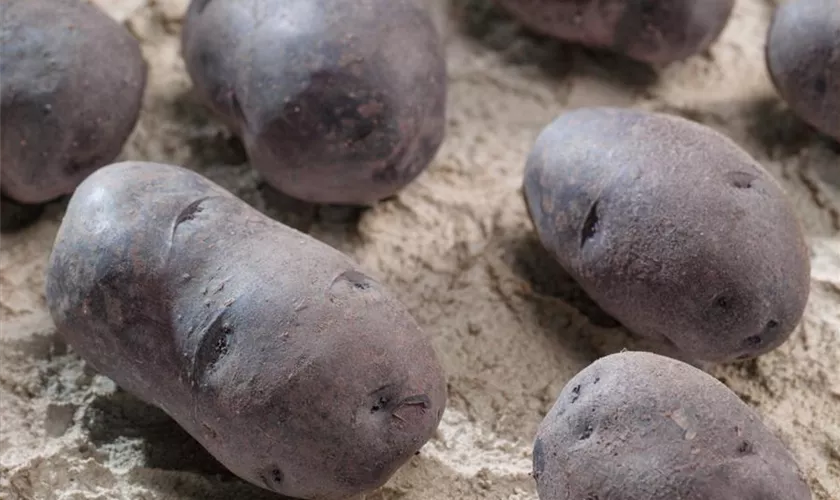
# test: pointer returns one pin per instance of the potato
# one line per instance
(290, 365)
(672, 229)
(657, 32)
(636, 425)
(337, 101)
(803, 57)
(73, 80)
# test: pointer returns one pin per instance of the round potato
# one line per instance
(337, 101)
(656, 32)
(636, 425)
(803, 57)
(672, 229)
(70, 95)
(295, 369)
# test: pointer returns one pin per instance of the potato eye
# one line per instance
(753, 341)
(379, 405)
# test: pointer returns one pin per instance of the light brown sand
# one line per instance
(458, 248)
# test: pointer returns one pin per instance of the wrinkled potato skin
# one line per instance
(71, 88)
(672, 229)
(337, 101)
(803, 58)
(650, 31)
(637, 425)
(292, 367)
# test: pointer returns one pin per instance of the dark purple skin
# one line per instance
(291, 366)
(656, 32)
(803, 58)
(71, 88)
(671, 228)
(639, 426)
(337, 101)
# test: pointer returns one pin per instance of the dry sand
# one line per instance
(458, 248)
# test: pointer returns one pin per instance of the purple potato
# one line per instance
(656, 32)
(672, 229)
(803, 57)
(71, 88)
(295, 369)
(637, 425)
(337, 101)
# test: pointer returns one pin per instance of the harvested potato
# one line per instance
(72, 82)
(803, 57)
(672, 229)
(337, 101)
(637, 425)
(290, 365)
(656, 32)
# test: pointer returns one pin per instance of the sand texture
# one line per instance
(457, 246)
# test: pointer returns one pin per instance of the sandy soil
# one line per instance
(458, 248)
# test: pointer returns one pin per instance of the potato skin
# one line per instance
(656, 32)
(71, 88)
(803, 58)
(337, 101)
(296, 370)
(637, 425)
(672, 229)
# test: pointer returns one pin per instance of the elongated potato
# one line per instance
(70, 93)
(672, 229)
(803, 57)
(337, 101)
(295, 369)
(657, 32)
(636, 425)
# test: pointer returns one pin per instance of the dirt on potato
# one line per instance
(458, 249)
